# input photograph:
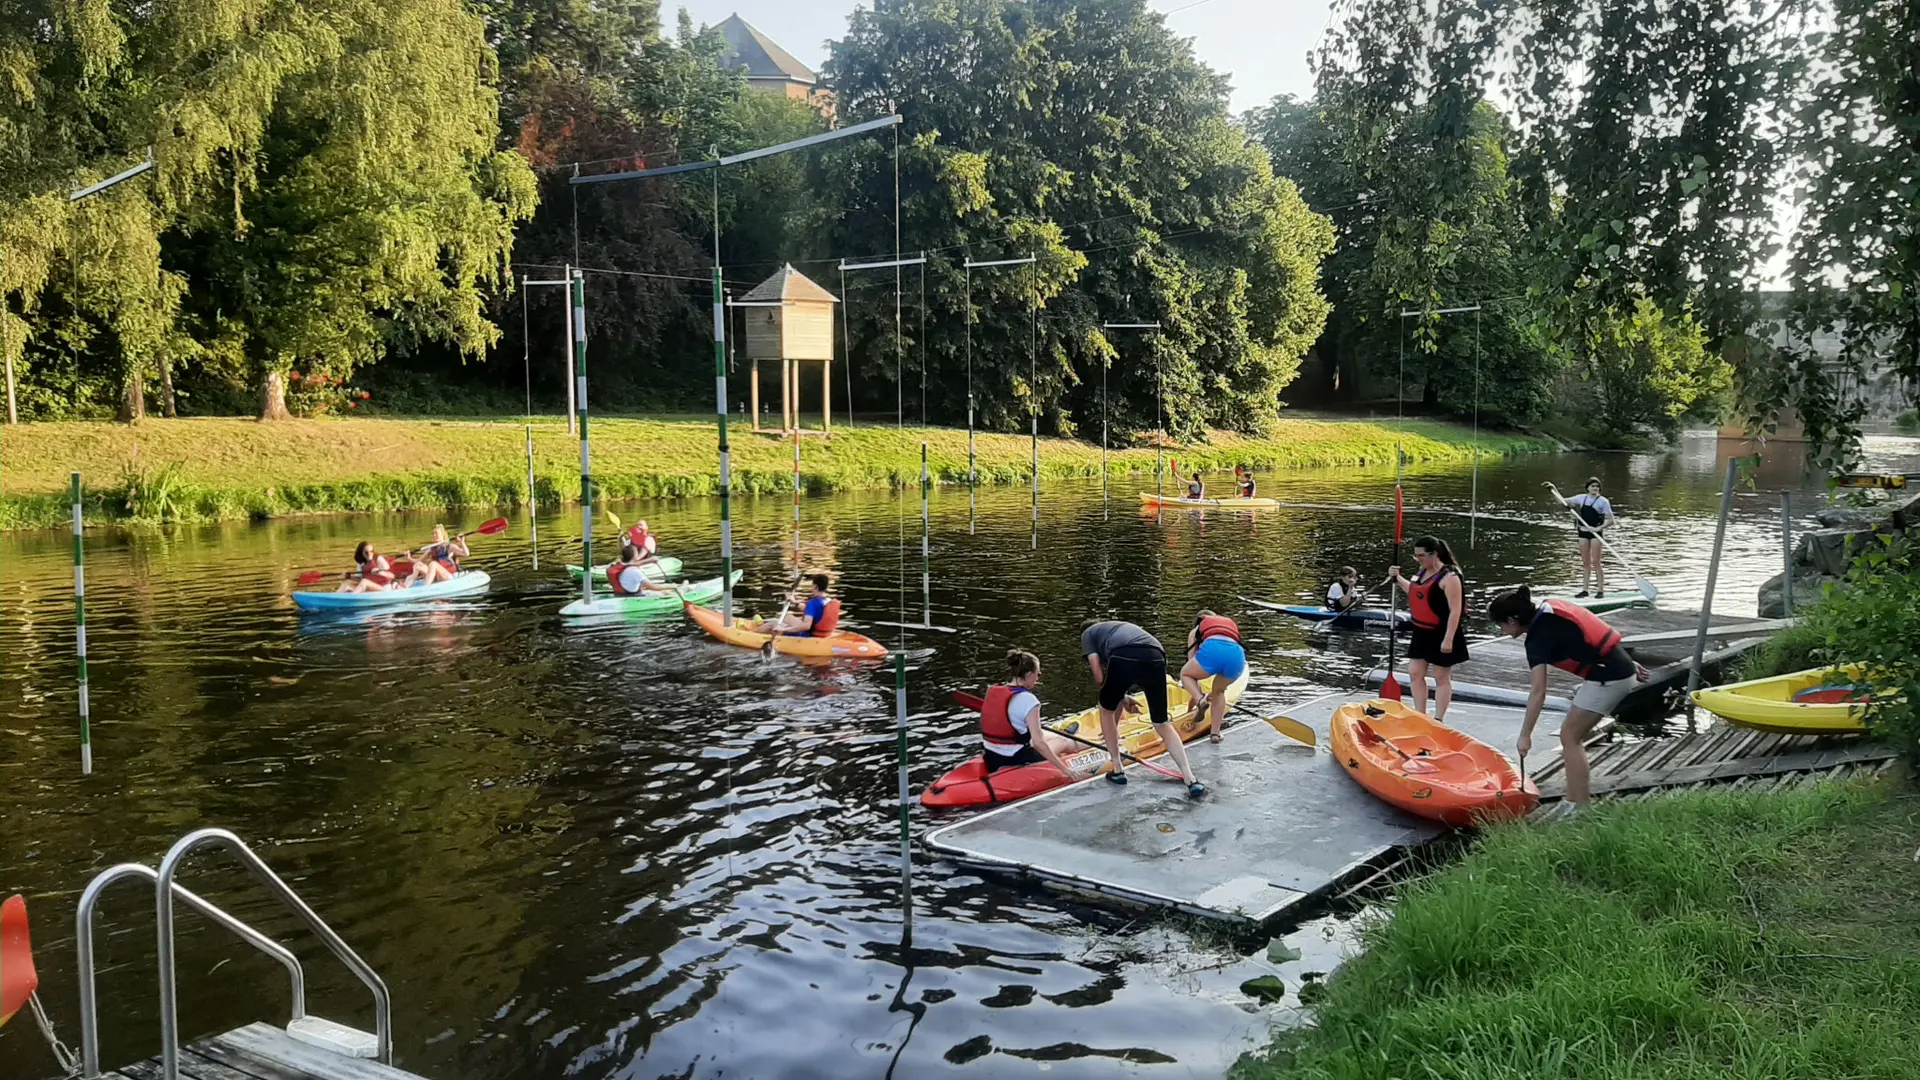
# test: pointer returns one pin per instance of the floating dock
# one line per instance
(1283, 825)
(261, 1052)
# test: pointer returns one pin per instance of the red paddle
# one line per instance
(488, 528)
(1390, 686)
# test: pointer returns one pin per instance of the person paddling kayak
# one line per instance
(375, 573)
(1345, 593)
(644, 542)
(628, 575)
(1436, 599)
(440, 560)
(1010, 721)
(1124, 658)
(1571, 638)
(1195, 488)
(1595, 513)
(816, 618)
(1244, 476)
(1213, 648)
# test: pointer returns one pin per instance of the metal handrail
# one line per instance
(163, 916)
(83, 938)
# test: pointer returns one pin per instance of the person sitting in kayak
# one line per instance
(643, 541)
(628, 575)
(1245, 476)
(1196, 489)
(1437, 601)
(1125, 657)
(1010, 721)
(1595, 513)
(1213, 649)
(816, 618)
(1573, 639)
(1345, 593)
(374, 573)
(440, 560)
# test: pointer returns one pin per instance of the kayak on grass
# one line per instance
(659, 570)
(1150, 499)
(460, 584)
(1414, 762)
(1818, 701)
(650, 603)
(1344, 619)
(841, 644)
(971, 785)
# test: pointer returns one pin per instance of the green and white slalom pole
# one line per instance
(726, 455)
(926, 548)
(533, 502)
(906, 821)
(80, 634)
(577, 293)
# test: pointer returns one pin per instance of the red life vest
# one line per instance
(378, 571)
(829, 618)
(1599, 637)
(1428, 601)
(996, 726)
(613, 580)
(1217, 626)
(643, 540)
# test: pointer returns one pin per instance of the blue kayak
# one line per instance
(1316, 613)
(461, 584)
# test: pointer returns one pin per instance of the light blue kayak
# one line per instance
(461, 584)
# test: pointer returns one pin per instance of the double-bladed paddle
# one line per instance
(489, 528)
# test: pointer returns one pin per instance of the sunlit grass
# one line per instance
(228, 468)
(1712, 934)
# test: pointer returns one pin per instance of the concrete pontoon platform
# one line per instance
(1281, 824)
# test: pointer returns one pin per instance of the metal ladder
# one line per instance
(313, 1030)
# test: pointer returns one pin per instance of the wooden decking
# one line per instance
(1721, 754)
(261, 1052)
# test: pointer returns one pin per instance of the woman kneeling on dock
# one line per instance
(1010, 721)
(1437, 602)
(1571, 638)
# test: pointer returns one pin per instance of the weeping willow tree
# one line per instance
(327, 187)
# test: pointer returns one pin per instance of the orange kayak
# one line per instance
(1426, 768)
(841, 644)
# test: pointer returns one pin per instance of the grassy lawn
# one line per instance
(221, 468)
(1707, 935)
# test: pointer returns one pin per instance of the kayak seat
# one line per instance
(18, 980)
(1830, 695)
(828, 620)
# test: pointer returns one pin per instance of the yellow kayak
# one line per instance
(1150, 499)
(1818, 701)
(1137, 736)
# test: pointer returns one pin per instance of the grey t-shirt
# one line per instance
(1107, 638)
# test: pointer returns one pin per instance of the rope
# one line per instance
(69, 1061)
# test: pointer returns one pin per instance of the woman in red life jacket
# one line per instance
(1571, 638)
(1213, 651)
(1437, 601)
(643, 541)
(375, 573)
(1010, 721)
(440, 560)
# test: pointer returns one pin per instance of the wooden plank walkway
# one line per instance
(1716, 755)
(262, 1052)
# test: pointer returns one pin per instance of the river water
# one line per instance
(626, 851)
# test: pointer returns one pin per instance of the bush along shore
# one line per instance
(208, 469)
(1705, 934)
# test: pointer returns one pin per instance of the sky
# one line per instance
(1261, 44)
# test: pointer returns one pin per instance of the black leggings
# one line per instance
(1142, 672)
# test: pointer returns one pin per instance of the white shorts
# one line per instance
(1604, 697)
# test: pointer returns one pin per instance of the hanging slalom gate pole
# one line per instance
(577, 293)
(572, 403)
(970, 265)
(1033, 382)
(533, 502)
(906, 823)
(1473, 513)
(1713, 577)
(80, 632)
(796, 483)
(926, 547)
(1786, 553)
(1105, 412)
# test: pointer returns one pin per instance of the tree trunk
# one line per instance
(166, 390)
(133, 399)
(273, 397)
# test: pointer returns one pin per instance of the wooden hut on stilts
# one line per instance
(790, 319)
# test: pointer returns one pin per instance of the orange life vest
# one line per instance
(995, 724)
(378, 571)
(614, 583)
(1217, 626)
(829, 618)
(643, 540)
(1599, 637)
(1428, 601)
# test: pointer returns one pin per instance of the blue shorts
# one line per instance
(1221, 656)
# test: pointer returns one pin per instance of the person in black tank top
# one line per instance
(1438, 602)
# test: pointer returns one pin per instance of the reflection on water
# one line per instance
(632, 852)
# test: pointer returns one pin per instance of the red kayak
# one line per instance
(972, 785)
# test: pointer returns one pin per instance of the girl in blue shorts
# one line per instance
(1213, 651)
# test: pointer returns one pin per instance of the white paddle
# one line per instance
(1646, 587)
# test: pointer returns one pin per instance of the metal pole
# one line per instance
(906, 825)
(573, 406)
(846, 342)
(1033, 377)
(80, 633)
(577, 293)
(1105, 511)
(899, 344)
(533, 502)
(972, 477)
(796, 480)
(926, 548)
(720, 410)
(1159, 417)
(1786, 553)
(1473, 515)
(1713, 576)
(923, 344)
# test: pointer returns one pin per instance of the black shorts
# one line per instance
(1027, 756)
(1424, 644)
(1138, 671)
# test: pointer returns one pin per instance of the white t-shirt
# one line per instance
(1019, 710)
(1336, 595)
(1597, 503)
(631, 578)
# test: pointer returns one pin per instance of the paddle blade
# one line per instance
(18, 979)
(1293, 729)
(492, 528)
(1646, 588)
(1390, 687)
(615, 518)
(315, 577)
(969, 701)
(1399, 513)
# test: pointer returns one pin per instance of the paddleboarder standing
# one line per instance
(1595, 514)
(1573, 639)
(1437, 601)
(1125, 658)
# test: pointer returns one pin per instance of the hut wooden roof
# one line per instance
(792, 285)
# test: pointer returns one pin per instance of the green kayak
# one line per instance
(666, 603)
(659, 570)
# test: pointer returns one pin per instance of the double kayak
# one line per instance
(1420, 765)
(1148, 498)
(839, 645)
(461, 584)
(1818, 701)
(658, 570)
(1349, 618)
(650, 603)
(972, 785)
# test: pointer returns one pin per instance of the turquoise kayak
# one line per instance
(461, 584)
(659, 570)
(698, 592)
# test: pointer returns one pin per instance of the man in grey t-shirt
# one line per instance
(1125, 657)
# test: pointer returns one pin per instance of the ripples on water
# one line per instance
(624, 851)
